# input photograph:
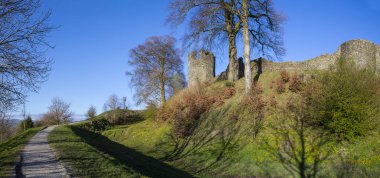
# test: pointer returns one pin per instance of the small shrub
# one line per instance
(26, 124)
(273, 101)
(96, 125)
(219, 97)
(150, 112)
(188, 111)
(280, 86)
(284, 76)
(295, 84)
(186, 108)
(255, 102)
(164, 113)
(255, 105)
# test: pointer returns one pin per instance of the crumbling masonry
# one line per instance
(363, 53)
(201, 69)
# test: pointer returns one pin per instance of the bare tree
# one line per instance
(59, 111)
(261, 24)
(5, 127)
(91, 113)
(112, 105)
(247, 48)
(124, 102)
(211, 22)
(23, 65)
(113, 102)
(155, 63)
(46, 120)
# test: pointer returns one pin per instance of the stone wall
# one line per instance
(201, 69)
(364, 53)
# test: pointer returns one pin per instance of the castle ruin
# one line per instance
(363, 53)
(201, 69)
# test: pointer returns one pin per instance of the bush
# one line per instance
(273, 101)
(96, 125)
(26, 124)
(255, 105)
(284, 76)
(186, 108)
(150, 111)
(280, 86)
(122, 116)
(295, 84)
(344, 102)
(255, 102)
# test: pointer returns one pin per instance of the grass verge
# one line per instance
(10, 149)
(93, 155)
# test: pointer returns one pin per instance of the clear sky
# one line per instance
(94, 37)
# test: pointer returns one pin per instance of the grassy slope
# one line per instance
(93, 155)
(149, 136)
(10, 149)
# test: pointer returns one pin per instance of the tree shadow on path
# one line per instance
(141, 163)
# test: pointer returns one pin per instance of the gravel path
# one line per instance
(38, 158)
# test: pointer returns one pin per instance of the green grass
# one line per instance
(93, 155)
(143, 136)
(10, 149)
(206, 153)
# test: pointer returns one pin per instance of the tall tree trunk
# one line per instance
(232, 52)
(162, 83)
(247, 49)
(162, 90)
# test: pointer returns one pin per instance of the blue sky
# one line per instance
(94, 37)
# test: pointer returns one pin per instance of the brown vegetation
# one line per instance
(295, 84)
(284, 76)
(255, 105)
(280, 86)
(187, 106)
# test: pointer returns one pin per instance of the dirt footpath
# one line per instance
(38, 158)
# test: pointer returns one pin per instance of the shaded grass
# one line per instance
(84, 159)
(94, 155)
(10, 149)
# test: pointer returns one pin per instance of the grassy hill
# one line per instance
(223, 141)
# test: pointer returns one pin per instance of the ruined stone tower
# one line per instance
(201, 69)
(362, 52)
